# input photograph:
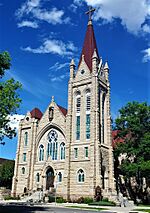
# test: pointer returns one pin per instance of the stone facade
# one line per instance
(71, 151)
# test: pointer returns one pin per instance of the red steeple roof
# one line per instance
(36, 113)
(89, 46)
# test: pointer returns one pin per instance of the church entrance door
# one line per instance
(49, 178)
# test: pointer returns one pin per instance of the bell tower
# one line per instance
(90, 152)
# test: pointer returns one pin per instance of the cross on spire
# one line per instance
(89, 12)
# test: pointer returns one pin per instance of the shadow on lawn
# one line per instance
(21, 208)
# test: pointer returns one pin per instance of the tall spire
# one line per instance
(89, 42)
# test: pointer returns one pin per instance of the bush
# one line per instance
(60, 200)
(105, 199)
(85, 200)
(8, 197)
(80, 200)
(88, 200)
(51, 199)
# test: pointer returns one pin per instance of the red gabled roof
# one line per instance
(89, 46)
(36, 113)
(63, 110)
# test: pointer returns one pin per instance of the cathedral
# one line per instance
(70, 149)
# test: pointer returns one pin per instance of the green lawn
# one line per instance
(142, 210)
(84, 207)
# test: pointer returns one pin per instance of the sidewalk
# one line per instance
(110, 208)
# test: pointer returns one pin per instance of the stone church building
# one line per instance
(70, 149)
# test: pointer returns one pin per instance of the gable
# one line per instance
(58, 117)
(83, 71)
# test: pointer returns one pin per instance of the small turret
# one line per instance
(72, 69)
(95, 61)
(106, 70)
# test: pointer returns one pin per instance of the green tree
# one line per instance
(6, 173)
(9, 98)
(133, 125)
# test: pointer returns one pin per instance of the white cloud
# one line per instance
(146, 53)
(14, 121)
(33, 9)
(27, 7)
(59, 78)
(146, 28)
(132, 13)
(28, 24)
(57, 66)
(78, 2)
(54, 47)
(61, 70)
(54, 16)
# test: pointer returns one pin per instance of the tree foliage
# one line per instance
(6, 173)
(133, 125)
(9, 98)
(4, 62)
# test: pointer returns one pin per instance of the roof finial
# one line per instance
(89, 12)
(52, 99)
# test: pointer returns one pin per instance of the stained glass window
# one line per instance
(80, 175)
(25, 138)
(77, 127)
(62, 151)
(87, 126)
(24, 157)
(76, 152)
(86, 152)
(41, 152)
(52, 146)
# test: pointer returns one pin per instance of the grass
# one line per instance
(89, 208)
(142, 210)
(102, 203)
(144, 205)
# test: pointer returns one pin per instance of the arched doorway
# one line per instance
(49, 178)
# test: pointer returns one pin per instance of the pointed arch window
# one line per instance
(103, 115)
(88, 102)
(88, 117)
(87, 126)
(26, 138)
(37, 177)
(78, 127)
(78, 103)
(59, 177)
(81, 176)
(78, 106)
(41, 152)
(62, 151)
(23, 170)
(52, 147)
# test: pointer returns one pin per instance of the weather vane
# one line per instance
(91, 10)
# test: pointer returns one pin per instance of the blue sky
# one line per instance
(42, 36)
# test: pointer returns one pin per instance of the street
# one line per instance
(15, 208)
